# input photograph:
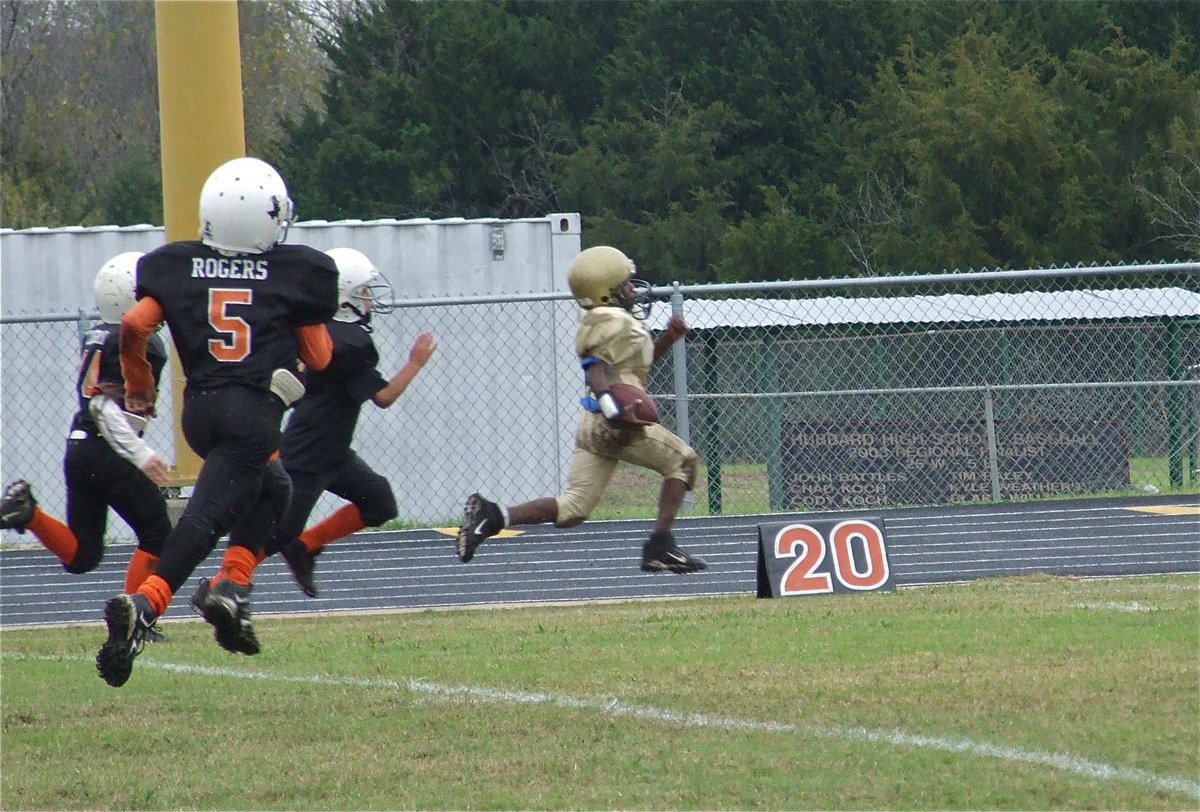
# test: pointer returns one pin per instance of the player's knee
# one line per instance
(276, 489)
(573, 509)
(197, 534)
(87, 558)
(153, 536)
(377, 505)
(380, 511)
(685, 468)
(689, 467)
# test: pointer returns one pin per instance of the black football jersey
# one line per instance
(319, 432)
(232, 318)
(101, 363)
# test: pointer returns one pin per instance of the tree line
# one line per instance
(714, 141)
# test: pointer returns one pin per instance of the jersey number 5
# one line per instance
(234, 343)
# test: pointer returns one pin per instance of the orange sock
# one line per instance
(141, 565)
(54, 535)
(342, 522)
(157, 592)
(237, 565)
(223, 572)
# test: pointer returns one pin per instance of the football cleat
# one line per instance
(16, 506)
(302, 563)
(196, 602)
(660, 554)
(129, 619)
(227, 609)
(155, 634)
(481, 520)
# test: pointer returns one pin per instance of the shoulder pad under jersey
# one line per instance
(602, 326)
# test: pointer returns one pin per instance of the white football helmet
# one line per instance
(244, 207)
(597, 279)
(362, 288)
(114, 286)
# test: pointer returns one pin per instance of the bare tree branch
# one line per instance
(1177, 207)
(881, 203)
(528, 173)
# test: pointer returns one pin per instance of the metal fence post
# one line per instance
(989, 419)
(683, 425)
(1175, 407)
(1139, 397)
(679, 356)
(1194, 429)
(768, 383)
(713, 442)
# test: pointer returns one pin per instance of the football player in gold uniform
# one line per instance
(613, 346)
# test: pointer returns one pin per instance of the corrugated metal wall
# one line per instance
(51, 270)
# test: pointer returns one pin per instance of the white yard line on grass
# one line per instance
(1115, 606)
(1065, 762)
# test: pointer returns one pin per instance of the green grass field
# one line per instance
(1028, 693)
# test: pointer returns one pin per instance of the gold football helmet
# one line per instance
(597, 279)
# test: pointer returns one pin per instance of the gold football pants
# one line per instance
(600, 445)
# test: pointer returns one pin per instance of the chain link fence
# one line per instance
(814, 395)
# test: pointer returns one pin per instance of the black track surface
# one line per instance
(417, 569)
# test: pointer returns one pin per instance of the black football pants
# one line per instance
(98, 478)
(234, 429)
(353, 481)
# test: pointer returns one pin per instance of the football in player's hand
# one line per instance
(634, 400)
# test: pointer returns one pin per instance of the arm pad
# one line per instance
(118, 433)
(286, 386)
(608, 405)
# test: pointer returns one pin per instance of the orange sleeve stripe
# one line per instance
(136, 327)
(91, 378)
(315, 345)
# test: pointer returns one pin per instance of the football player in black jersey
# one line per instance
(242, 307)
(316, 450)
(107, 463)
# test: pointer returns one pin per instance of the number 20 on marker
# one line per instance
(809, 574)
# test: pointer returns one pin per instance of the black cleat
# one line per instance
(227, 608)
(16, 506)
(660, 554)
(129, 618)
(481, 520)
(196, 602)
(155, 634)
(302, 563)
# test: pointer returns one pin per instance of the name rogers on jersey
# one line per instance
(228, 268)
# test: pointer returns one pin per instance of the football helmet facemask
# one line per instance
(244, 207)
(114, 286)
(597, 279)
(362, 288)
